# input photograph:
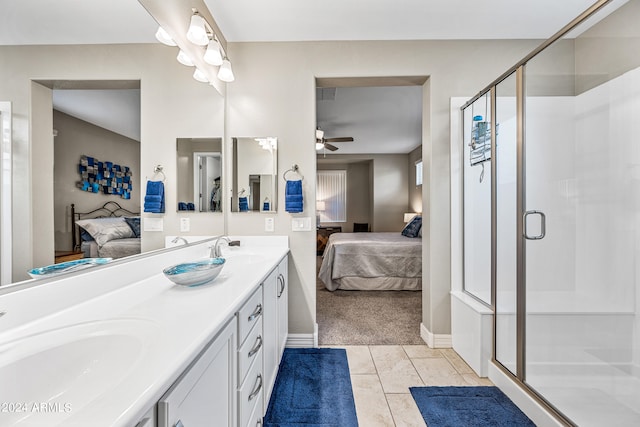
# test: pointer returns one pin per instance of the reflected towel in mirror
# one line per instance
(154, 198)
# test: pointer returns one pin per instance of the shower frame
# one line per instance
(519, 69)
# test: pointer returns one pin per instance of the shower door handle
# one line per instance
(543, 225)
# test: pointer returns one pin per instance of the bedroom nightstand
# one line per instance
(63, 256)
(323, 237)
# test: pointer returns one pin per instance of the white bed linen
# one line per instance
(372, 261)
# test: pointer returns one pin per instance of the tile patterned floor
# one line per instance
(382, 374)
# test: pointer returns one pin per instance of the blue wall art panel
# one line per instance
(104, 177)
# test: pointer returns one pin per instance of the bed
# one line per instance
(109, 231)
(372, 261)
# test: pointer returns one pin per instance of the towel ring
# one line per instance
(158, 171)
(294, 169)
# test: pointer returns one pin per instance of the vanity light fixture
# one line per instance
(213, 55)
(225, 73)
(184, 59)
(201, 33)
(197, 33)
(200, 76)
(163, 37)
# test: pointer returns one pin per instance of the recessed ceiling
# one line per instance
(117, 110)
(380, 119)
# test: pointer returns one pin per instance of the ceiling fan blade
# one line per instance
(342, 139)
(330, 147)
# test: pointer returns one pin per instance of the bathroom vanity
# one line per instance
(121, 345)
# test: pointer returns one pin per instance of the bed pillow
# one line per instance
(134, 223)
(412, 229)
(106, 229)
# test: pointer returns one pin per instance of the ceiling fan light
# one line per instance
(200, 76)
(212, 55)
(319, 145)
(225, 73)
(163, 37)
(319, 134)
(197, 33)
(184, 59)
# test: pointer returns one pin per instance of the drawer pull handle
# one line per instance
(257, 312)
(257, 388)
(282, 283)
(256, 347)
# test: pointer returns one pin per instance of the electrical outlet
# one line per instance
(152, 224)
(301, 224)
(185, 225)
(268, 224)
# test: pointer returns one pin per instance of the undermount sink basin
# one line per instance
(51, 375)
(195, 273)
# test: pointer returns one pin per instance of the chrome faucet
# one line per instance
(178, 238)
(215, 249)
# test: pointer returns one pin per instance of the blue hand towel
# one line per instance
(293, 202)
(243, 204)
(154, 197)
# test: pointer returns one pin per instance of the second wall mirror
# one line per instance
(199, 174)
(255, 165)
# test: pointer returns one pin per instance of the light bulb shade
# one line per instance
(197, 33)
(212, 55)
(319, 145)
(163, 37)
(320, 205)
(200, 76)
(225, 73)
(184, 59)
(319, 134)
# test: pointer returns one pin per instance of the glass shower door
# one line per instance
(581, 206)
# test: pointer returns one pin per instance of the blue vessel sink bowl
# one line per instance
(195, 273)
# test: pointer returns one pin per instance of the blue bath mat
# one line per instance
(468, 406)
(313, 388)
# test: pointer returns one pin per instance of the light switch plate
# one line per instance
(268, 224)
(301, 224)
(153, 224)
(185, 225)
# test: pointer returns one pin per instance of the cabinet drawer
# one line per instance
(250, 393)
(249, 315)
(255, 420)
(250, 350)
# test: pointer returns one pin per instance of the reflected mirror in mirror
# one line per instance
(199, 174)
(255, 165)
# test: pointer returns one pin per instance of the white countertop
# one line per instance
(144, 334)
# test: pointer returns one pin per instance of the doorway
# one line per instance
(371, 129)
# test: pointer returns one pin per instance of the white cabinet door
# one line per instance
(205, 394)
(283, 305)
(270, 332)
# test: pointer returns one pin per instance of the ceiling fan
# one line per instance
(322, 142)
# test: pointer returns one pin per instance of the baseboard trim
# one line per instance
(302, 341)
(435, 340)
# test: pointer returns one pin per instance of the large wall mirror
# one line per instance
(255, 166)
(199, 174)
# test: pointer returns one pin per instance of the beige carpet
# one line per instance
(367, 317)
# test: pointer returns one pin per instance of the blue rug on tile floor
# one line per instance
(467, 406)
(313, 388)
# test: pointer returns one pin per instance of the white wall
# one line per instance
(173, 105)
(274, 94)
